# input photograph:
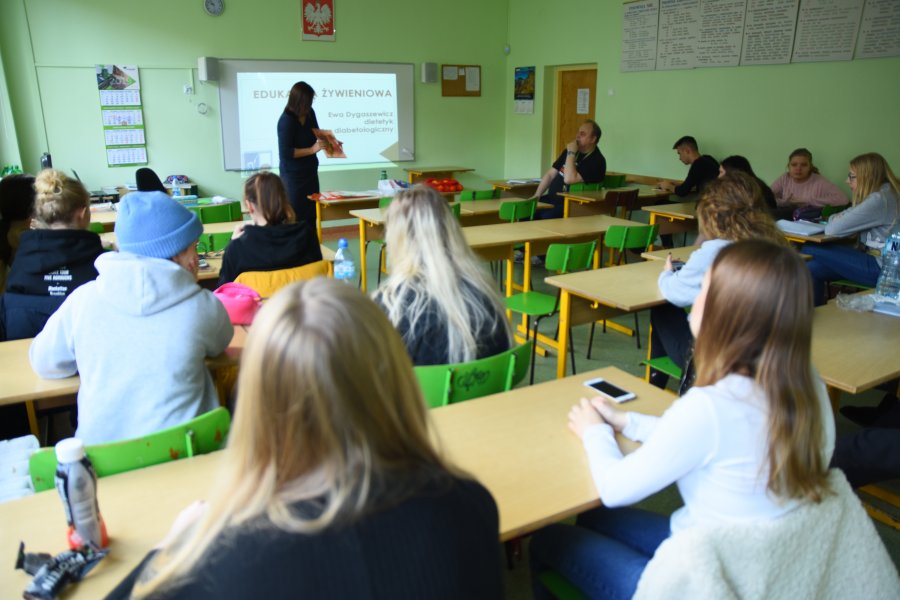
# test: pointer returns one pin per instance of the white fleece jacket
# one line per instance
(138, 336)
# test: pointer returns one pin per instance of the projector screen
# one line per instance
(368, 106)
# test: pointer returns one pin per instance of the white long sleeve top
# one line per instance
(711, 442)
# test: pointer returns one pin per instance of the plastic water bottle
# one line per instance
(344, 265)
(176, 190)
(889, 280)
(77, 486)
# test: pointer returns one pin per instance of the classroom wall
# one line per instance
(56, 106)
(836, 109)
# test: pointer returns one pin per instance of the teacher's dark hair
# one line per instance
(300, 100)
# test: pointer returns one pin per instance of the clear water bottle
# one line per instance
(176, 190)
(344, 265)
(77, 486)
(889, 281)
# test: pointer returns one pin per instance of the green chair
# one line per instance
(562, 258)
(218, 213)
(584, 187)
(619, 239)
(469, 195)
(613, 181)
(204, 434)
(213, 242)
(96, 228)
(456, 209)
(664, 365)
(448, 384)
(518, 210)
(559, 586)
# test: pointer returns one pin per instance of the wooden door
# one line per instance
(570, 113)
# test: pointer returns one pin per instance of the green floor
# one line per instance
(621, 351)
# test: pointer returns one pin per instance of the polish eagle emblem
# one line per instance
(318, 18)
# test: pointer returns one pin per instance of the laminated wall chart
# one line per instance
(688, 34)
(122, 115)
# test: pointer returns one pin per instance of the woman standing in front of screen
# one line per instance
(297, 148)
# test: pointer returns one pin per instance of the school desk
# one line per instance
(416, 174)
(646, 195)
(371, 226)
(677, 217)
(854, 351)
(680, 253)
(601, 294)
(521, 188)
(516, 443)
(22, 385)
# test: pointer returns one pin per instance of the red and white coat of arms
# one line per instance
(318, 20)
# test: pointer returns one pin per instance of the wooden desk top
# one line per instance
(21, 383)
(522, 182)
(628, 287)
(681, 253)
(376, 216)
(368, 199)
(855, 351)
(644, 191)
(534, 483)
(427, 170)
(680, 210)
(579, 226)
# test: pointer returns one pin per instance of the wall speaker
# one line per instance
(207, 68)
(429, 72)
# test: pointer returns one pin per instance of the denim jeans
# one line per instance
(831, 262)
(603, 555)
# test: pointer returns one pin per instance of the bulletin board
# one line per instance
(460, 80)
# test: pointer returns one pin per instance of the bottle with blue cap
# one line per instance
(344, 265)
(888, 286)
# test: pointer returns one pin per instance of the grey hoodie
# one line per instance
(138, 336)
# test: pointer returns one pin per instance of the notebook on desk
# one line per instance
(800, 227)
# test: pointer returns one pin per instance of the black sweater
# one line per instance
(441, 543)
(270, 248)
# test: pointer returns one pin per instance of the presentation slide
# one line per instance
(361, 109)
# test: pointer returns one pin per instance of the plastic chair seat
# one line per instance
(470, 195)
(532, 303)
(664, 365)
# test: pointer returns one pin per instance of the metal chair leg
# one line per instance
(637, 331)
(572, 350)
(591, 338)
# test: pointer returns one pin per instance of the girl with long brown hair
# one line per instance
(275, 239)
(330, 486)
(749, 443)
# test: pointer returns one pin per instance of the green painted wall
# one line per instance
(837, 109)
(165, 37)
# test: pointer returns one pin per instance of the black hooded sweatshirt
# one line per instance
(270, 248)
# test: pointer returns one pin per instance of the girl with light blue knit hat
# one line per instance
(139, 334)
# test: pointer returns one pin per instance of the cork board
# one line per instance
(460, 80)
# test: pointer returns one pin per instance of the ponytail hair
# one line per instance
(58, 198)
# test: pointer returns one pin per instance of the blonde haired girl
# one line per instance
(750, 443)
(53, 259)
(876, 204)
(330, 486)
(437, 294)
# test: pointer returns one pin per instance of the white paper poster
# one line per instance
(879, 32)
(679, 32)
(826, 30)
(769, 32)
(583, 101)
(639, 30)
(721, 33)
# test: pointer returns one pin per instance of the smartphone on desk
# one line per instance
(613, 392)
(203, 264)
(677, 264)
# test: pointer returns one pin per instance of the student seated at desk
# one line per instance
(876, 206)
(275, 240)
(438, 295)
(802, 185)
(739, 163)
(16, 208)
(331, 487)
(731, 208)
(749, 443)
(139, 334)
(53, 259)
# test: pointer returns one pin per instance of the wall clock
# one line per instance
(214, 7)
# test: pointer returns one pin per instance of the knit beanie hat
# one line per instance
(152, 224)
